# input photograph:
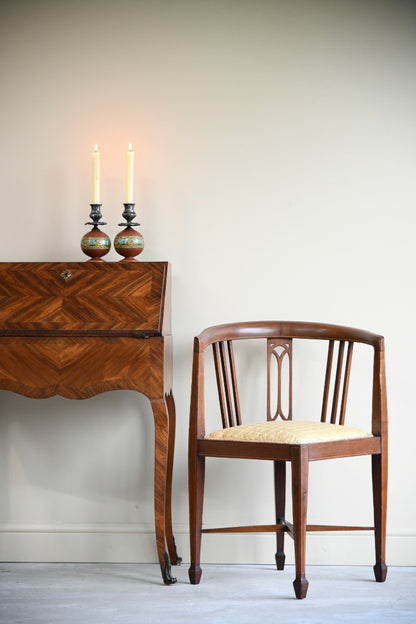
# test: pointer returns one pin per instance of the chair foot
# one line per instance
(280, 560)
(300, 585)
(380, 572)
(194, 575)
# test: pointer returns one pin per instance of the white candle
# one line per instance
(129, 175)
(96, 176)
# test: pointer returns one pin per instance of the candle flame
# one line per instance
(130, 147)
(96, 148)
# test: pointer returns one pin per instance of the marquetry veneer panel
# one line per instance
(97, 297)
(79, 369)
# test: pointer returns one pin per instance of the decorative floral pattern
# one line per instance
(95, 243)
(134, 241)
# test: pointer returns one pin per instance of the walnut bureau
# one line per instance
(78, 329)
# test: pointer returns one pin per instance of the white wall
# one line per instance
(275, 158)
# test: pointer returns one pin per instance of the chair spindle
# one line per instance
(337, 385)
(227, 383)
(346, 383)
(342, 376)
(327, 380)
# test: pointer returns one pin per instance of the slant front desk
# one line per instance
(77, 329)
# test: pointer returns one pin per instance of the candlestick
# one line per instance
(129, 174)
(129, 242)
(95, 243)
(96, 176)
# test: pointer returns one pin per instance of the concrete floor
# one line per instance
(39, 593)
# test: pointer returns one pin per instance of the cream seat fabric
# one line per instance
(288, 432)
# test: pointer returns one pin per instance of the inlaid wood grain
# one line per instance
(79, 369)
(96, 297)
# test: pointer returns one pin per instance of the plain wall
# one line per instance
(275, 169)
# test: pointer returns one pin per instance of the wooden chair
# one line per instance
(281, 439)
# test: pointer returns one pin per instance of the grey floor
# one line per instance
(133, 593)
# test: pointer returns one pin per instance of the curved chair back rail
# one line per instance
(279, 329)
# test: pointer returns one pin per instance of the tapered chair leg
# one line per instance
(300, 468)
(379, 474)
(196, 497)
(280, 504)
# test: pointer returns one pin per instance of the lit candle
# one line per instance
(96, 176)
(129, 175)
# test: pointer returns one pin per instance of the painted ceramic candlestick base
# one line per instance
(129, 242)
(95, 243)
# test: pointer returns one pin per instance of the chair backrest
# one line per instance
(279, 340)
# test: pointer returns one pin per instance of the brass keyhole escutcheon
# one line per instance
(66, 275)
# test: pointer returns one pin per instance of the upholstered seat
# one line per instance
(288, 432)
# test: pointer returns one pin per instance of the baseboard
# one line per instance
(135, 543)
(76, 543)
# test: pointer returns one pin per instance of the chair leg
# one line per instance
(280, 503)
(379, 474)
(196, 499)
(300, 469)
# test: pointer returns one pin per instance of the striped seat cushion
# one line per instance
(288, 432)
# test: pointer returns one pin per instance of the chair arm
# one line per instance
(197, 410)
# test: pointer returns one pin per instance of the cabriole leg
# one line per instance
(175, 559)
(161, 417)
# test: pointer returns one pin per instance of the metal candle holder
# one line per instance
(129, 242)
(95, 243)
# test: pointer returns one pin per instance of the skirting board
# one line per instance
(130, 543)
